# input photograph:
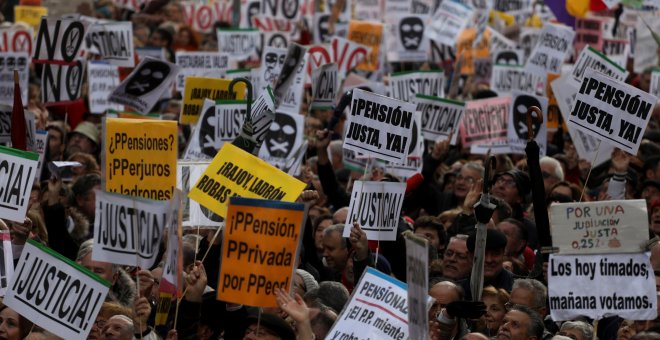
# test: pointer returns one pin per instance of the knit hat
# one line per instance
(308, 280)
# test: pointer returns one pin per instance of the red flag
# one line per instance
(18, 124)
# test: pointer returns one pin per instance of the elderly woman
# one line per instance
(494, 299)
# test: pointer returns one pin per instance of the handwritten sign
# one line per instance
(599, 227)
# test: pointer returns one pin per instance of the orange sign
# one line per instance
(259, 250)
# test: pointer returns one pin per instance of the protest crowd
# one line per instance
(330, 169)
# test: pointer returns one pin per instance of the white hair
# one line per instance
(558, 172)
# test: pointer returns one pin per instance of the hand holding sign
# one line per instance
(359, 242)
(620, 161)
(196, 282)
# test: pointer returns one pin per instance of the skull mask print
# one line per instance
(411, 31)
(507, 58)
(520, 106)
(281, 137)
(148, 77)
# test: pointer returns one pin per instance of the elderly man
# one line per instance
(521, 323)
(337, 250)
(457, 263)
(494, 273)
(530, 293)
(551, 171)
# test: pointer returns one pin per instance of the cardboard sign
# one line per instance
(30, 15)
(10, 61)
(398, 6)
(551, 49)
(55, 293)
(612, 111)
(197, 89)
(272, 231)
(283, 138)
(58, 40)
(128, 230)
(202, 16)
(291, 81)
(407, 41)
(7, 262)
(17, 171)
(654, 89)
(200, 64)
(378, 309)
(599, 286)
(376, 206)
(233, 172)
(240, 44)
(16, 39)
(485, 121)
(469, 50)
(405, 85)
(440, 117)
(645, 57)
(590, 59)
(102, 80)
(62, 84)
(325, 86)
(599, 227)
(417, 274)
(345, 53)
(369, 34)
(271, 66)
(448, 22)
(517, 132)
(188, 173)
(145, 85)
(379, 126)
(140, 164)
(113, 41)
(220, 122)
(508, 78)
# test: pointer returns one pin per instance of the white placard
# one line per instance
(551, 49)
(200, 64)
(128, 230)
(448, 22)
(599, 286)
(379, 126)
(612, 111)
(325, 86)
(405, 85)
(102, 79)
(17, 171)
(517, 131)
(65, 297)
(240, 44)
(440, 117)
(508, 78)
(376, 206)
(113, 41)
(591, 59)
(10, 61)
(417, 273)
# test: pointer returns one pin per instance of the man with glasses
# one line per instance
(521, 323)
(457, 264)
(551, 171)
(513, 186)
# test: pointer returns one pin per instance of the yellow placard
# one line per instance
(196, 89)
(464, 48)
(30, 15)
(234, 172)
(369, 34)
(140, 157)
(259, 248)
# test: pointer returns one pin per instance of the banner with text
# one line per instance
(113, 41)
(405, 85)
(551, 49)
(64, 297)
(200, 64)
(234, 172)
(440, 117)
(376, 206)
(270, 230)
(197, 89)
(137, 164)
(485, 121)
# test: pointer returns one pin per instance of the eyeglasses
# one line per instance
(468, 180)
(451, 253)
(546, 175)
(510, 183)
(100, 324)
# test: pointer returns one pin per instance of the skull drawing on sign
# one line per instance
(148, 77)
(11, 62)
(411, 31)
(520, 106)
(253, 10)
(21, 62)
(281, 137)
(507, 58)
